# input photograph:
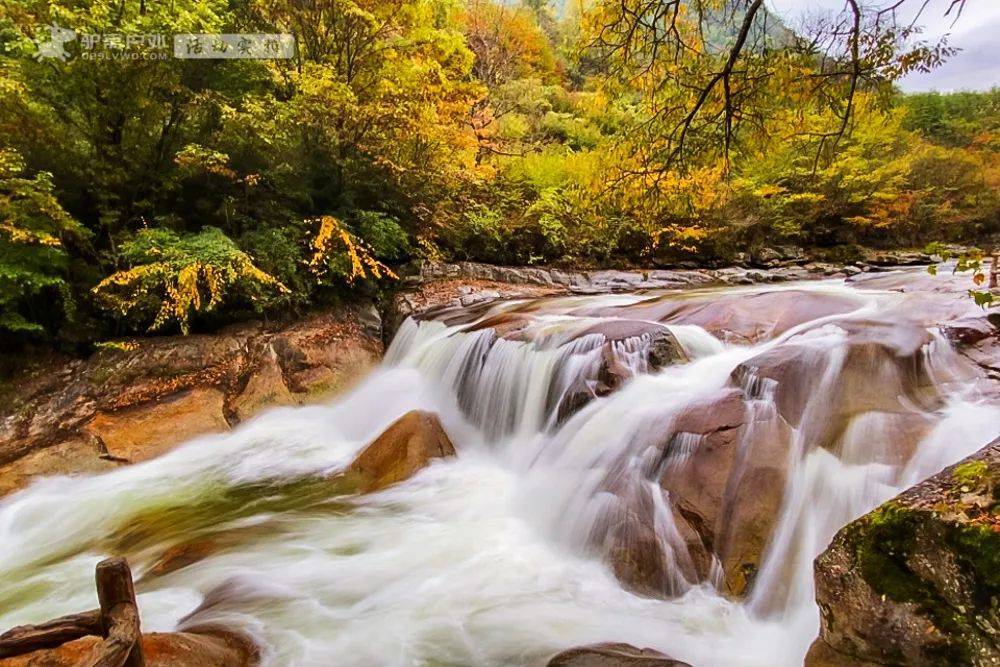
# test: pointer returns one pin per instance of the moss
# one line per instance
(883, 541)
(970, 473)
(978, 549)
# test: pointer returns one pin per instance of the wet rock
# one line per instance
(205, 646)
(128, 404)
(726, 485)
(898, 258)
(971, 330)
(878, 366)
(916, 581)
(407, 446)
(739, 318)
(629, 346)
(613, 655)
(181, 555)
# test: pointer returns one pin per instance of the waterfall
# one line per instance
(721, 473)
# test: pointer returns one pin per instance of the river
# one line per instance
(498, 556)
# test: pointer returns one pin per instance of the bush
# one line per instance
(174, 276)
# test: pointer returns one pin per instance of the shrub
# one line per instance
(172, 276)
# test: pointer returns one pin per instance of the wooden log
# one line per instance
(123, 645)
(994, 265)
(28, 638)
(119, 616)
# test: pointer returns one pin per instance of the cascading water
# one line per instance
(573, 444)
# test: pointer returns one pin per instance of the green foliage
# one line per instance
(33, 256)
(385, 236)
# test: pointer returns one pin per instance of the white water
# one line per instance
(484, 559)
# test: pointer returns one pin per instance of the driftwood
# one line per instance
(117, 621)
(27, 638)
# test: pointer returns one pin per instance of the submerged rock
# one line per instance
(405, 447)
(613, 655)
(917, 581)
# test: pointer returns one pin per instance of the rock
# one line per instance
(205, 646)
(404, 448)
(181, 555)
(264, 388)
(971, 330)
(740, 318)
(137, 401)
(726, 491)
(917, 581)
(898, 258)
(150, 429)
(881, 367)
(74, 456)
(613, 655)
(821, 655)
(724, 485)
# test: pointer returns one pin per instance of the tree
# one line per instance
(716, 75)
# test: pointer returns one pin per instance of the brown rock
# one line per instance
(882, 369)
(265, 388)
(728, 489)
(821, 655)
(404, 448)
(79, 455)
(181, 555)
(613, 655)
(206, 646)
(151, 394)
(738, 317)
(148, 430)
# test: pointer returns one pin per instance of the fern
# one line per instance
(177, 276)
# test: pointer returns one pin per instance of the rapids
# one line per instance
(488, 558)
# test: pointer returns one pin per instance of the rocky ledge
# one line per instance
(138, 399)
(917, 581)
(432, 285)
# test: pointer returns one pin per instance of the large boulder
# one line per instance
(207, 646)
(869, 366)
(136, 400)
(613, 655)
(725, 471)
(407, 446)
(721, 466)
(917, 581)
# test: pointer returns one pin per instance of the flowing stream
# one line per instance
(490, 557)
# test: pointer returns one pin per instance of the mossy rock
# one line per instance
(917, 581)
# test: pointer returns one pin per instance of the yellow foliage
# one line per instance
(361, 260)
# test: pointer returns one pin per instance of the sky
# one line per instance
(976, 33)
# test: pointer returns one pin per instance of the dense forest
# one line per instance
(142, 192)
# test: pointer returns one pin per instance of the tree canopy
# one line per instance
(139, 191)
